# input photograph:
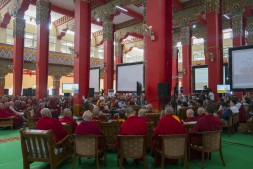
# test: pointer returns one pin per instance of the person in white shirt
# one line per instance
(211, 95)
(233, 106)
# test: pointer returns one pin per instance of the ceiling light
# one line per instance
(98, 20)
(194, 26)
(226, 16)
(123, 9)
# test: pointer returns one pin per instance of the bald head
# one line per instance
(45, 112)
(96, 111)
(141, 113)
(201, 111)
(149, 107)
(169, 110)
(129, 111)
(87, 115)
(190, 113)
(67, 112)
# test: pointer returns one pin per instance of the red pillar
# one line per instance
(42, 20)
(214, 46)
(118, 53)
(174, 69)
(82, 48)
(158, 53)
(18, 52)
(56, 83)
(108, 55)
(187, 58)
(2, 82)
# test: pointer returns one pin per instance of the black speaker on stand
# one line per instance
(6, 91)
(163, 91)
(24, 92)
(138, 88)
(29, 92)
(91, 92)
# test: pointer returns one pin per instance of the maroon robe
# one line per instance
(48, 123)
(191, 119)
(133, 126)
(90, 128)
(145, 119)
(67, 119)
(37, 114)
(17, 119)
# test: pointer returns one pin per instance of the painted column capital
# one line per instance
(42, 12)
(108, 30)
(18, 27)
(185, 36)
(212, 6)
(118, 49)
(237, 25)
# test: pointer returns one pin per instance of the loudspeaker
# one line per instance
(163, 90)
(138, 88)
(54, 92)
(6, 91)
(29, 92)
(33, 92)
(91, 92)
(24, 92)
(66, 94)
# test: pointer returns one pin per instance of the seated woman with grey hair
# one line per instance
(141, 115)
(87, 127)
(67, 118)
(49, 123)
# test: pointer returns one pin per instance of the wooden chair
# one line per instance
(31, 122)
(182, 113)
(39, 145)
(6, 122)
(174, 147)
(154, 117)
(110, 131)
(235, 121)
(229, 125)
(68, 128)
(211, 142)
(132, 146)
(87, 146)
(150, 126)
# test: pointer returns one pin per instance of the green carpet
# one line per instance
(237, 151)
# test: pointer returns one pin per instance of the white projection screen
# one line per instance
(95, 79)
(200, 77)
(241, 68)
(128, 75)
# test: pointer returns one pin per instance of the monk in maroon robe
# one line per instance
(207, 122)
(67, 118)
(170, 124)
(133, 125)
(38, 114)
(17, 119)
(149, 108)
(49, 123)
(190, 116)
(141, 115)
(87, 127)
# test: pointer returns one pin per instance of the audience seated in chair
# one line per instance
(49, 123)
(97, 115)
(149, 108)
(225, 112)
(38, 114)
(87, 127)
(168, 125)
(67, 118)
(190, 116)
(209, 122)
(133, 125)
(201, 112)
(6, 112)
(141, 115)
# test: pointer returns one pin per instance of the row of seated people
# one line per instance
(169, 124)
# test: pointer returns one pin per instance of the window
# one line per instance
(135, 55)
(9, 37)
(52, 43)
(30, 40)
(65, 45)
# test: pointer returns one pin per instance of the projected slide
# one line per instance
(242, 69)
(223, 88)
(201, 78)
(128, 75)
(95, 79)
(70, 88)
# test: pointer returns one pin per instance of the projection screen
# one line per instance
(241, 68)
(95, 79)
(128, 75)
